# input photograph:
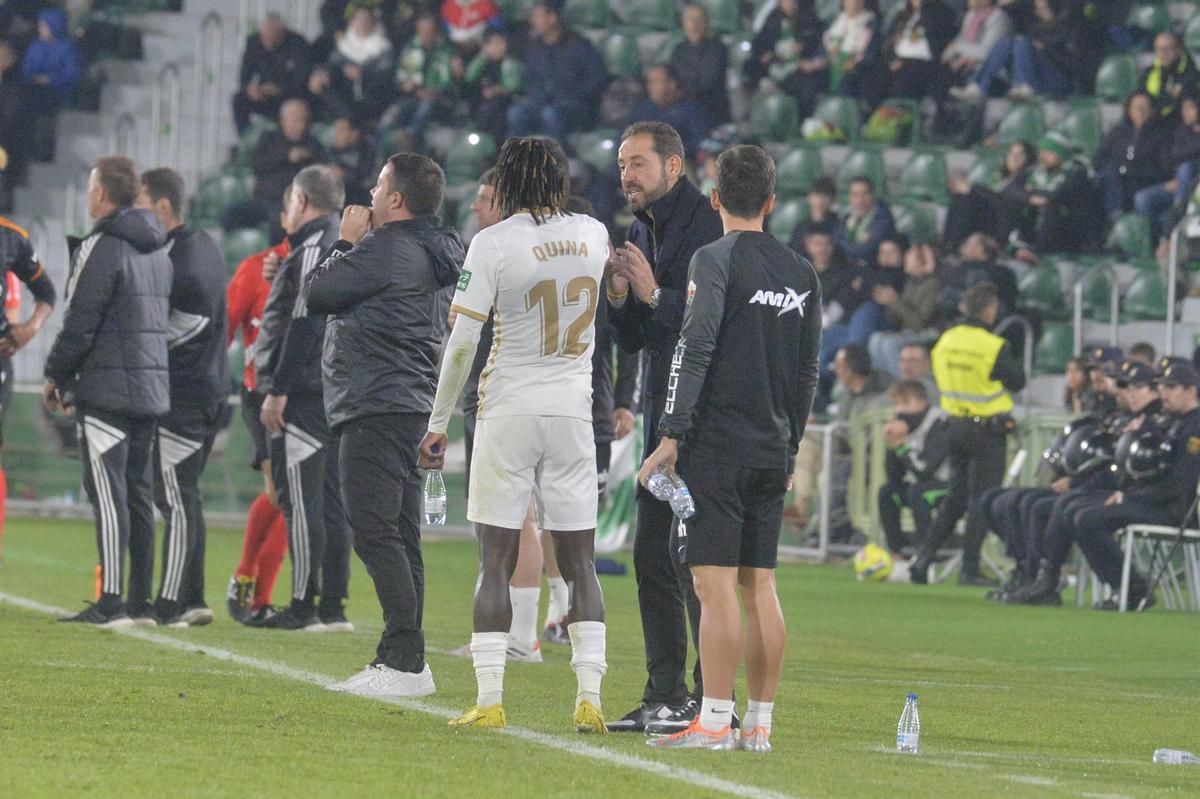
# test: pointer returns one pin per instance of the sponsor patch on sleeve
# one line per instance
(464, 280)
(691, 294)
(1193, 445)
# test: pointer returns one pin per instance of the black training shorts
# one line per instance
(739, 511)
(251, 414)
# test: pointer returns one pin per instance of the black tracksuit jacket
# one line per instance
(197, 324)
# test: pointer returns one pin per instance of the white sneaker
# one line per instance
(899, 572)
(382, 682)
(521, 653)
(1021, 93)
(197, 617)
(970, 93)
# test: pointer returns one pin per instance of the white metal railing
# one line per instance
(1114, 307)
(123, 138)
(207, 82)
(75, 218)
(1172, 276)
(168, 83)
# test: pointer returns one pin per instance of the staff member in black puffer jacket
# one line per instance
(110, 362)
(384, 287)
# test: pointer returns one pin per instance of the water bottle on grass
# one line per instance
(1176, 757)
(908, 731)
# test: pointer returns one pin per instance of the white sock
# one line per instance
(587, 659)
(523, 630)
(758, 714)
(489, 651)
(560, 601)
(715, 714)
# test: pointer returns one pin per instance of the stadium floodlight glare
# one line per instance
(473, 139)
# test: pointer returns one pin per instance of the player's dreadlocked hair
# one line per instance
(532, 175)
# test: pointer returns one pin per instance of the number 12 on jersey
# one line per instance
(545, 296)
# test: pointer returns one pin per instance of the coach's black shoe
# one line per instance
(143, 614)
(296, 616)
(637, 719)
(260, 615)
(333, 615)
(974, 579)
(94, 615)
(239, 596)
(169, 613)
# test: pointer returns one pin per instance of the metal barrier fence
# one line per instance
(168, 90)
(208, 72)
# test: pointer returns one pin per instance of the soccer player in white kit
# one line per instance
(540, 271)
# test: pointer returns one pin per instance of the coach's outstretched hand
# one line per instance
(433, 451)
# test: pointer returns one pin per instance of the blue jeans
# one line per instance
(556, 120)
(1155, 200)
(1025, 65)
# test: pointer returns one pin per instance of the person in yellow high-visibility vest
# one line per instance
(975, 370)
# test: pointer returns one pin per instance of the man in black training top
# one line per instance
(741, 389)
(199, 388)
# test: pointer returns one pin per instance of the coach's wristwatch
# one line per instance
(655, 296)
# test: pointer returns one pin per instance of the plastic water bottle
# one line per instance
(682, 503)
(1176, 757)
(661, 487)
(908, 731)
(435, 498)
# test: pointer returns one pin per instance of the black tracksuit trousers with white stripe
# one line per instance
(181, 448)
(304, 462)
(116, 454)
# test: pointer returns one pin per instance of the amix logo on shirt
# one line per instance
(789, 301)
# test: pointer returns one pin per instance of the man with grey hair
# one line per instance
(303, 451)
(275, 66)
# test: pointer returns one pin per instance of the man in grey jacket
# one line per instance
(383, 287)
(110, 363)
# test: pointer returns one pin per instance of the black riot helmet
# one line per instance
(1087, 449)
(1147, 456)
(1052, 455)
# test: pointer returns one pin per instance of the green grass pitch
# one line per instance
(1014, 701)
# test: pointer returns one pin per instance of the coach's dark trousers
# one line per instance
(665, 591)
(381, 489)
(305, 467)
(116, 455)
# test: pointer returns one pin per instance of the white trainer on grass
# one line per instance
(378, 681)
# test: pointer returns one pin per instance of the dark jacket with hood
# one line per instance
(111, 353)
(197, 325)
(288, 352)
(387, 304)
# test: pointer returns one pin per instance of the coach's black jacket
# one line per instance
(288, 348)
(612, 388)
(674, 227)
(197, 324)
(387, 307)
(111, 353)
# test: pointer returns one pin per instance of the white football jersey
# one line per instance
(542, 282)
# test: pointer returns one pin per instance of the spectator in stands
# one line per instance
(564, 78)
(868, 223)
(909, 313)
(983, 27)
(665, 103)
(978, 262)
(51, 68)
(700, 62)
(357, 76)
(1039, 62)
(490, 81)
(1062, 205)
(468, 20)
(848, 315)
(1169, 77)
(279, 156)
(1165, 202)
(994, 208)
(852, 44)
(915, 465)
(1078, 396)
(14, 127)
(913, 47)
(916, 364)
(1132, 157)
(821, 216)
(788, 50)
(353, 160)
(424, 74)
(888, 270)
(275, 67)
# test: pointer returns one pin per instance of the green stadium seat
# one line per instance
(787, 215)
(651, 15)
(241, 244)
(1023, 122)
(1130, 236)
(1054, 348)
(1083, 127)
(621, 56)
(1097, 294)
(842, 113)
(1116, 78)
(586, 14)
(862, 163)
(515, 11)
(1151, 18)
(988, 161)
(916, 221)
(924, 177)
(773, 117)
(216, 193)
(739, 52)
(1041, 294)
(827, 10)
(1146, 297)
(796, 171)
(724, 16)
(468, 156)
(1191, 36)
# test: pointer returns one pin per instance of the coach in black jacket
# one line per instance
(199, 387)
(110, 361)
(384, 286)
(647, 295)
(303, 451)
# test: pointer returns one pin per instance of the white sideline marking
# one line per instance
(658, 769)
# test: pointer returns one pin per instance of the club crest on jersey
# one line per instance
(786, 300)
(691, 294)
(464, 280)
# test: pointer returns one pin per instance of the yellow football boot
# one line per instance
(477, 716)
(588, 718)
